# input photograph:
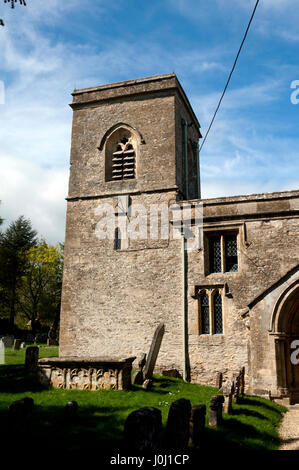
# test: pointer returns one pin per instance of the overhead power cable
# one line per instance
(230, 75)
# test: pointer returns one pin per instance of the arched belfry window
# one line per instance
(217, 311)
(120, 156)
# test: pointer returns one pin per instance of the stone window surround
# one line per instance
(210, 291)
(222, 232)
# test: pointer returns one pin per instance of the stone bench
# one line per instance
(81, 373)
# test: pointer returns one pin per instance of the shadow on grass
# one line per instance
(261, 403)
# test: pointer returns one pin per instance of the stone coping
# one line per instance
(85, 360)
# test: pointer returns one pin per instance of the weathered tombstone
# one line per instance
(17, 344)
(142, 430)
(178, 422)
(31, 359)
(197, 424)
(219, 378)
(215, 416)
(71, 411)
(21, 410)
(8, 341)
(227, 390)
(142, 361)
(236, 390)
(171, 373)
(23, 345)
(242, 382)
(154, 351)
(147, 384)
(138, 378)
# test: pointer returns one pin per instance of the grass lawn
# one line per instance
(252, 426)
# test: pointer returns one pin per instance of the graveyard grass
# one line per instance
(101, 416)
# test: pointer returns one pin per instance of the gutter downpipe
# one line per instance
(184, 304)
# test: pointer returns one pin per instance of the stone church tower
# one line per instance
(231, 302)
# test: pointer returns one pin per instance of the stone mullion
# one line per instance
(222, 247)
(211, 312)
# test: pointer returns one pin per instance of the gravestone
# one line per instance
(23, 345)
(21, 410)
(70, 411)
(219, 377)
(242, 382)
(147, 384)
(197, 424)
(138, 378)
(215, 416)
(154, 351)
(31, 359)
(17, 344)
(142, 361)
(178, 423)
(8, 341)
(172, 373)
(142, 430)
(227, 390)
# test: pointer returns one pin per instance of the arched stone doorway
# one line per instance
(286, 330)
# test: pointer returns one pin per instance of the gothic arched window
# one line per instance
(120, 156)
(204, 313)
(217, 311)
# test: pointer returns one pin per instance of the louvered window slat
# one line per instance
(123, 161)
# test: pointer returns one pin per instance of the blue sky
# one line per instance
(51, 47)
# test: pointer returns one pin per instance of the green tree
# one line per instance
(17, 239)
(40, 291)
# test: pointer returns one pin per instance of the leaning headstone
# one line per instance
(70, 411)
(178, 422)
(147, 384)
(154, 351)
(142, 430)
(31, 359)
(197, 424)
(215, 416)
(219, 377)
(21, 410)
(17, 344)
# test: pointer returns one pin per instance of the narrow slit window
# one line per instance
(205, 314)
(217, 307)
(117, 240)
(215, 254)
(231, 253)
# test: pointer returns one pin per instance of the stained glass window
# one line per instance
(205, 314)
(217, 304)
(215, 254)
(231, 253)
